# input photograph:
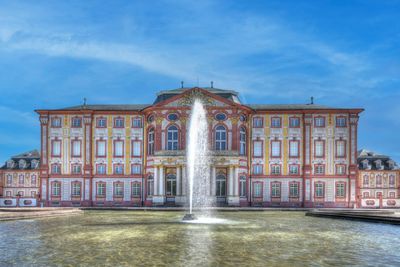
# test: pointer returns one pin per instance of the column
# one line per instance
(155, 181)
(213, 181)
(178, 181)
(44, 167)
(161, 180)
(184, 181)
(307, 122)
(236, 179)
(230, 181)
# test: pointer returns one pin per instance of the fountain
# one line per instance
(198, 163)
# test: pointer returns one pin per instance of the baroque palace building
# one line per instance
(261, 155)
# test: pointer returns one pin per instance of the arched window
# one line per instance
(172, 138)
(221, 185)
(242, 141)
(171, 185)
(150, 185)
(150, 148)
(220, 138)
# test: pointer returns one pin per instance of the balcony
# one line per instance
(215, 153)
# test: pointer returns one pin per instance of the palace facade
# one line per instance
(261, 155)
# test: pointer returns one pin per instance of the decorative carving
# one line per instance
(188, 99)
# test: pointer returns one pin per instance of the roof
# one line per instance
(372, 158)
(289, 106)
(123, 107)
(27, 158)
(27, 155)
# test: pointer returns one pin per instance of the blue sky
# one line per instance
(344, 53)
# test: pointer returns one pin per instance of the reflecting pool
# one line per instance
(143, 238)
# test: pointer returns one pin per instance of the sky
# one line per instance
(344, 53)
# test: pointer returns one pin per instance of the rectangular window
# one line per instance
(118, 148)
(101, 123)
(56, 168)
(319, 169)
(242, 186)
(366, 195)
(392, 180)
(341, 190)
(136, 169)
(294, 189)
(136, 145)
(33, 194)
(340, 148)
(56, 189)
(76, 148)
(340, 169)
(118, 169)
(21, 193)
(340, 121)
(319, 190)
(366, 180)
(275, 149)
(118, 189)
(76, 122)
(8, 194)
(136, 190)
(136, 122)
(33, 180)
(392, 195)
(76, 169)
(101, 148)
(294, 169)
(257, 190)
(9, 179)
(275, 190)
(319, 122)
(275, 169)
(257, 152)
(56, 122)
(76, 189)
(257, 122)
(21, 180)
(101, 189)
(101, 169)
(257, 169)
(319, 147)
(56, 148)
(294, 149)
(294, 122)
(275, 122)
(119, 122)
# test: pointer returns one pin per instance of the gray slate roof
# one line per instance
(27, 157)
(371, 158)
(123, 107)
(288, 106)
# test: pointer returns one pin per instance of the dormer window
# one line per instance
(365, 164)
(22, 164)
(34, 164)
(391, 164)
(378, 164)
(10, 164)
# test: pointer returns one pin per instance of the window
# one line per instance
(56, 148)
(340, 148)
(101, 168)
(257, 151)
(76, 122)
(319, 122)
(101, 123)
(242, 117)
(101, 189)
(136, 190)
(33, 180)
(136, 145)
(171, 185)
(118, 169)
(242, 186)
(150, 118)
(319, 169)
(392, 195)
(56, 122)
(33, 194)
(21, 179)
(276, 190)
(220, 138)
(9, 179)
(294, 189)
(366, 195)
(150, 148)
(221, 185)
(294, 149)
(257, 122)
(275, 122)
(118, 189)
(172, 138)
(257, 190)
(220, 117)
(257, 169)
(294, 122)
(242, 141)
(379, 180)
(20, 193)
(119, 122)
(391, 180)
(8, 194)
(275, 169)
(76, 148)
(118, 148)
(340, 169)
(275, 149)
(76, 189)
(137, 122)
(319, 189)
(340, 121)
(136, 169)
(172, 117)
(101, 148)
(340, 190)
(150, 185)
(56, 168)
(76, 169)
(366, 180)
(56, 189)
(294, 169)
(319, 147)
